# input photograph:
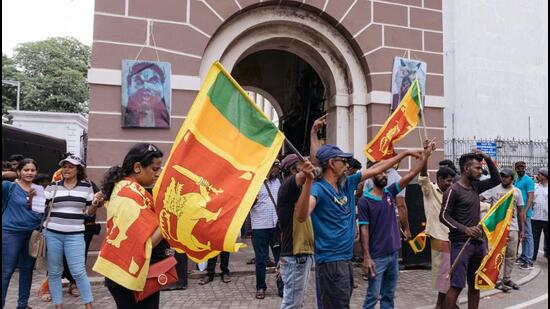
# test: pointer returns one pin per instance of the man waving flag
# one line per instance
(217, 164)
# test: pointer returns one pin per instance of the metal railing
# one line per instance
(508, 151)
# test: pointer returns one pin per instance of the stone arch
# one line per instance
(315, 40)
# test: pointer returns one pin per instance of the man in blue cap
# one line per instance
(331, 205)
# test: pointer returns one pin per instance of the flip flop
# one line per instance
(260, 294)
(46, 297)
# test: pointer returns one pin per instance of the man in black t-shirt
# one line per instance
(296, 238)
(460, 212)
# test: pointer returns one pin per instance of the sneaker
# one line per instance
(526, 266)
(502, 287)
(518, 261)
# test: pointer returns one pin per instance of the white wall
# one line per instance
(67, 126)
(496, 68)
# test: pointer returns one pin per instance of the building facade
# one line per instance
(496, 69)
(305, 57)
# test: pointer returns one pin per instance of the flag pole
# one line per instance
(458, 257)
(294, 150)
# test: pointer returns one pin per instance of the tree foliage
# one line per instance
(9, 93)
(53, 75)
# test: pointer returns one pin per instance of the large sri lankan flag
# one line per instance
(217, 164)
(402, 121)
(496, 225)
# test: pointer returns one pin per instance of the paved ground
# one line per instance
(413, 291)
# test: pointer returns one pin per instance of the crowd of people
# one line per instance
(324, 210)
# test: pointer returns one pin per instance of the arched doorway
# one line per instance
(323, 58)
(294, 86)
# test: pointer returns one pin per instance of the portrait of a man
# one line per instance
(404, 72)
(146, 94)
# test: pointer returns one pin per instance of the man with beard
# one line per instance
(332, 209)
(380, 234)
(146, 99)
(492, 196)
(460, 212)
(263, 216)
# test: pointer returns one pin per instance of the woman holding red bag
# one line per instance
(134, 240)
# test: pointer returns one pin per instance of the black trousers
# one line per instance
(181, 268)
(124, 299)
(224, 264)
(539, 227)
(336, 284)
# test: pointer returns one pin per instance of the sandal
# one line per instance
(46, 297)
(226, 278)
(73, 290)
(511, 284)
(206, 279)
(260, 294)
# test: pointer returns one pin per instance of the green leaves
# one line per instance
(52, 73)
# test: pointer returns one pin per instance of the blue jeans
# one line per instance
(382, 286)
(527, 246)
(15, 249)
(262, 239)
(295, 272)
(73, 247)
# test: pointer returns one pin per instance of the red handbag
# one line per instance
(160, 274)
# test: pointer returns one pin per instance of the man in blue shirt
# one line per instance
(527, 187)
(380, 234)
(332, 208)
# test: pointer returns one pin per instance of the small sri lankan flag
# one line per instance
(402, 121)
(217, 164)
(496, 225)
(418, 243)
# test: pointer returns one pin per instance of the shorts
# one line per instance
(467, 265)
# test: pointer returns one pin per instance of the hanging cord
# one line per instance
(146, 43)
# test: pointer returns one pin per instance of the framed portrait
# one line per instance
(404, 72)
(146, 94)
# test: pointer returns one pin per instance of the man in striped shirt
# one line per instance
(263, 216)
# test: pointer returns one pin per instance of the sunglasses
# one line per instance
(152, 148)
(343, 160)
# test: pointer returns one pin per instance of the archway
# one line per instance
(305, 35)
(296, 90)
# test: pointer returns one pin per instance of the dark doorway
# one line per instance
(293, 83)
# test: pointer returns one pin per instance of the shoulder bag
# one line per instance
(37, 242)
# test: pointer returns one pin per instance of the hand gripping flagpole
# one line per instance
(455, 263)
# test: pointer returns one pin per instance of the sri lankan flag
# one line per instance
(418, 243)
(402, 121)
(496, 225)
(217, 164)
(125, 254)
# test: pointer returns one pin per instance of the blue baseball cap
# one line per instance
(327, 152)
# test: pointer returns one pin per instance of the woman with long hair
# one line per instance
(134, 240)
(19, 219)
(73, 200)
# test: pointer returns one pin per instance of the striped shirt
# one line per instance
(263, 214)
(69, 206)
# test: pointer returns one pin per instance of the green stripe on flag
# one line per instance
(415, 93)
(498, 215)
(238, 110)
